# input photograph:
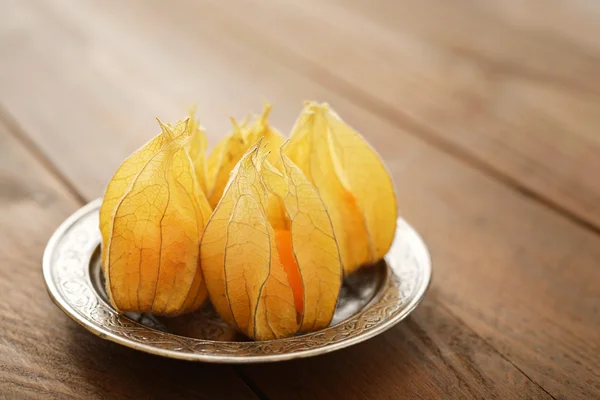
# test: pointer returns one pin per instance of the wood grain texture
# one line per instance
(428, 356)
(45, 354)
(513, 308)
(510, 88)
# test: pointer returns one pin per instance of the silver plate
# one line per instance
(371, 302)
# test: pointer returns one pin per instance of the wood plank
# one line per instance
(503, 273)
(549, 40)
(428, 356)
(511, 87)
(46, 355)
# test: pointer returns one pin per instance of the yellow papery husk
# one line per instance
(289, 221)
(230, 150)
(352, 180)
(151, 219)
(197, 146)
(240, 256)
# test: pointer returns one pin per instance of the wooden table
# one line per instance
(487, 113)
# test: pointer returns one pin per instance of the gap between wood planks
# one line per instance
(354, 94)
(22, 137)
(250, 383)
(19, 134)
(515, 366)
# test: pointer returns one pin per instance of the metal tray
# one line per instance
(371, 301)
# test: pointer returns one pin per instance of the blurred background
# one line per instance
(491, 80)
(486, 113)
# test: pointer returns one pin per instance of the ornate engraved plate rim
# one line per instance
(66, 273)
